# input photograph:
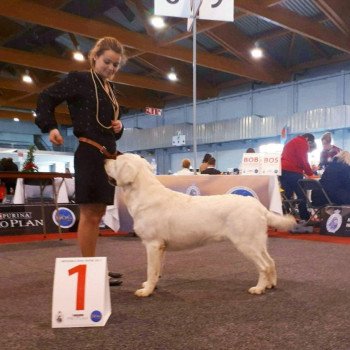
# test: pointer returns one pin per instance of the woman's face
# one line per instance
(107, 64)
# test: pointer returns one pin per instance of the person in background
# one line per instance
(295, 165)
(95, 113)
(7, 164)
(329, 151)
(210, 170)
(235, 171)
(336, 180)
(250, 150)
(204, 164)
(186, 163)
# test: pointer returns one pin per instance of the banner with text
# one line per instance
(261, 164)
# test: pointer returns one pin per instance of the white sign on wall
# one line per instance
(261, 164)
(81, 295)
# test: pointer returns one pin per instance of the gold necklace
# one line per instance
(111, 96)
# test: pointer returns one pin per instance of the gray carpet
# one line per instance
(201, 303)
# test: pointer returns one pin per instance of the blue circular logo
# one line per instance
(96, 316)
(193, 190)
(243, 191)
(64, 217)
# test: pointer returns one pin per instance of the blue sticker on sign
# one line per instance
(96, 316)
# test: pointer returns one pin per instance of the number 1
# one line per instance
(81, 271)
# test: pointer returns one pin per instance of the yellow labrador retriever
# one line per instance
(169, 220)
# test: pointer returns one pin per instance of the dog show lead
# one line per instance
(94, 111)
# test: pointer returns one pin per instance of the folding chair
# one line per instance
(290, 206)
(316, 197)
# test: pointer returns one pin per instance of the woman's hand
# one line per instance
(55, 137)
(117, 126)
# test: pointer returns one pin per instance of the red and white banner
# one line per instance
(153, 111)
(261, 164)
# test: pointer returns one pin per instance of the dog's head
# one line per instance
(125, 168)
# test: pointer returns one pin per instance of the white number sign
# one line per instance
(81, 295)
(218, 10)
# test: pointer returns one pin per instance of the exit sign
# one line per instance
(153, 111)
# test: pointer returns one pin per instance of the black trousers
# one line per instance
(289, 182)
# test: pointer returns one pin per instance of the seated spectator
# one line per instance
(186, 163)
(336, 180)
(250, 150)
(204, 164)
(235, 171)
(210, 170)
(329, 151)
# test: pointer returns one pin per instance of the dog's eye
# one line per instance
(112, 181)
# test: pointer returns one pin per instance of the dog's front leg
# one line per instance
(154, 254)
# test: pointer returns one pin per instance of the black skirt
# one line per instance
(91, 180)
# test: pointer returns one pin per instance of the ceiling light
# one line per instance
(172, 75)
(27, 78)
(16, 119)
(157, 22)
(257, 52)
(78, 56)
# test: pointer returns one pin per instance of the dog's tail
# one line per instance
(280, 222)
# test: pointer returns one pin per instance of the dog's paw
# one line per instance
(256, 290)
(143, 292)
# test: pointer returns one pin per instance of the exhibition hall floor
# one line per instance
(201, 301)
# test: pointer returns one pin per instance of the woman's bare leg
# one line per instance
(88, 229)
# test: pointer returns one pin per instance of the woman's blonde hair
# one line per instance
(344, 157)
(104, 44)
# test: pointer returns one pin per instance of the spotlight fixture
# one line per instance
(157, 22)
(78, 56)
(34, 114)
(16, 119)
(172, 75)
(26, 78)
(256, 52)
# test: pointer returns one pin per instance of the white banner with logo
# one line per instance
(261, 164)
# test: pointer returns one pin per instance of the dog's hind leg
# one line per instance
(271, 274)
(154, 253)
(162, 261)
(264, 264)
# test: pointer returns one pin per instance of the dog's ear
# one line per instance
(125, 171)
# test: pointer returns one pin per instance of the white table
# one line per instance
(23, 191)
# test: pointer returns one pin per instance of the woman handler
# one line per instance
(94, 111)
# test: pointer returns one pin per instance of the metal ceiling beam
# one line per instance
(297, 24)
(33, 13)
(337, 11)
(61, 65)
(236, 42)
